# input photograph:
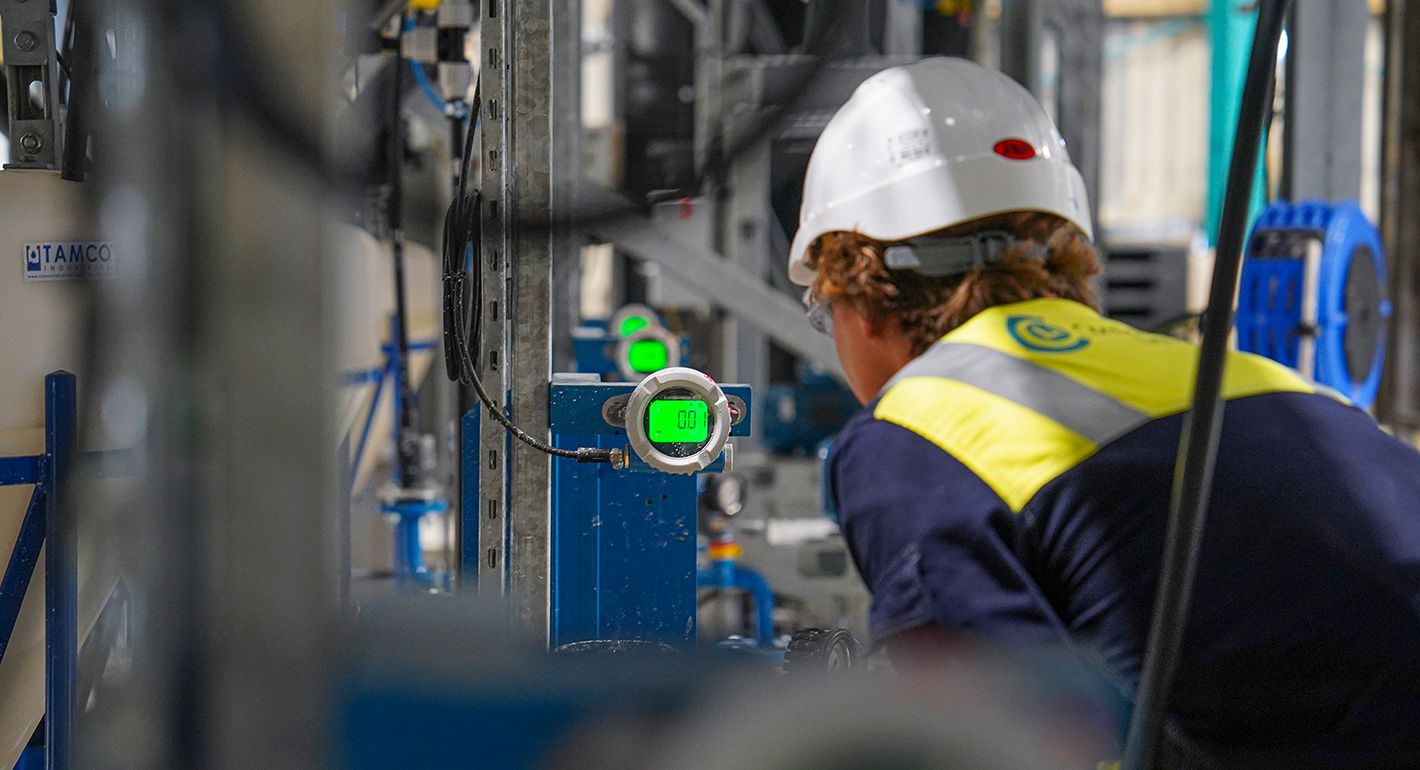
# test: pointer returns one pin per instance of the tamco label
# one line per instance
(68, 260)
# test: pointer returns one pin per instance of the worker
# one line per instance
(1009, 478)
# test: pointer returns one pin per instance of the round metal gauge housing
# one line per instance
(678, 420)
(629, 319)
(649, 349)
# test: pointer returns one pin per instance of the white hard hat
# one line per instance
(931, 145)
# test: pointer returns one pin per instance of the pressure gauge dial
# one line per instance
(649, 349)
(724, 494)
(678, 421)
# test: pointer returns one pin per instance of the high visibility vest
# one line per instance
(1022, 393)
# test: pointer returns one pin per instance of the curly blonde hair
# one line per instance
(851, 271)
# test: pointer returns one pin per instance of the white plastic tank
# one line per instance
(41, 323)
(42, 328)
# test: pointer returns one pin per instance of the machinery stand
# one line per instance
(49, 517)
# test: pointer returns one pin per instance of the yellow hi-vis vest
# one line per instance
(1022, 393)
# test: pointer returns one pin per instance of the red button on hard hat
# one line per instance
(1014, 149)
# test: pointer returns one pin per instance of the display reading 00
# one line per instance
(678, 421)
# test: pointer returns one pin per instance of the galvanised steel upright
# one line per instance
(526, 112)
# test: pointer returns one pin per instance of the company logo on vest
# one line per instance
(1035, 333)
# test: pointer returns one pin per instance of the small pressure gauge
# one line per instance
(723, 494)
(632, 318)
(649, 349)
(678, 421)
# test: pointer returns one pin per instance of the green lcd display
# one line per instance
(632, 324)
(646, 356)
(678, 421)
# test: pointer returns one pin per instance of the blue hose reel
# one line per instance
(1313, 295)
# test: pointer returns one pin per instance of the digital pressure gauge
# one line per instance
(678, 421)
(646, 350)
(632, 318)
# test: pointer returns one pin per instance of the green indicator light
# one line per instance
(678, 421)
(632, 324)
(646, 356)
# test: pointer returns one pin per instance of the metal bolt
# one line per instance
(31, 142)
(25, 41)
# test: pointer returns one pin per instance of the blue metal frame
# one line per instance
(61, 572)
(728, 574)
(387, 372)
(49, 517)
(468, 499)
(623, 541)
(22, 563)
(408, 558)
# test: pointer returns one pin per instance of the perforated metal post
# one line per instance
(493, 440)
(32, 79)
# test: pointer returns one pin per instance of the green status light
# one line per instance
(632, 324)
(678, 421)
(647, 356)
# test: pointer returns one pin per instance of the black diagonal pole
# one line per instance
(1198, 448)
(405, 448)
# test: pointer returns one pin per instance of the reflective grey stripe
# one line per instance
(1094, 415)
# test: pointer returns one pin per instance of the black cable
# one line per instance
(462, 236)
(1198, 447)
(405, 448)
(81, 50)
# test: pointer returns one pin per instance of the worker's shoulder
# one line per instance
(867, 429)
(872, 447)
(867, 439)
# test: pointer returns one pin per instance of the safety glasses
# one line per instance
(820, 314)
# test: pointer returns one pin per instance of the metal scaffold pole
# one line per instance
(530, 114)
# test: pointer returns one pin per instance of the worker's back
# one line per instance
(1014, 482)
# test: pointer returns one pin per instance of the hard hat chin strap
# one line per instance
(940, 257)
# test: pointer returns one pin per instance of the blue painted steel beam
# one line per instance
(623, 559)
(21, 566)
(19, 470)
(468, 500)
(61, 574)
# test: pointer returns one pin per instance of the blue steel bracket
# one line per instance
(21, 567)
(576, 405)
(49, 523)
(624, 541)
(15, 471)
